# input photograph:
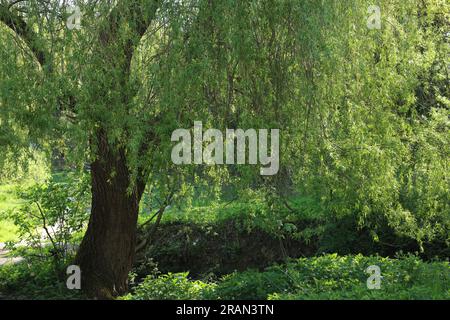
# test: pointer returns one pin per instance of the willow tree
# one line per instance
(112, 92)
(81, 97)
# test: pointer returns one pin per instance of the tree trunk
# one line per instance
(107, 251)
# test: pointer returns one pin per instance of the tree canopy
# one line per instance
(363, 113)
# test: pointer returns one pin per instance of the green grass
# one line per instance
(8, 201)
(8, 231)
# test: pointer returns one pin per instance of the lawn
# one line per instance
(8, 200)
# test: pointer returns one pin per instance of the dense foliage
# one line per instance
(324, 277)
(51, 215)
(39, 280)
(363, 115)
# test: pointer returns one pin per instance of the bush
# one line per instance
(249, 285)
(39, 280)
(51, 215)
(333, 277)
(172, 286)
(325, 277)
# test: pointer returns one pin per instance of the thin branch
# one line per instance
(44, 221)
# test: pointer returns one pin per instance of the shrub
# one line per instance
(249, 285)
(52, 215)
(335, 277)
(39, 280)
(325, 277)
(171, 286)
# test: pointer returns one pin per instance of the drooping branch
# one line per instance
(17, 24)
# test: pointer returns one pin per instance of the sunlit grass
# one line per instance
(8, 201)
(8, 231)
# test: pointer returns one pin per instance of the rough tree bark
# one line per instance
(106, 254)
